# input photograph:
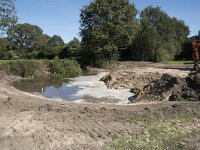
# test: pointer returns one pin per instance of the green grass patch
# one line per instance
(179, 62)
(4, 63)
(164, 129)
(162, 135)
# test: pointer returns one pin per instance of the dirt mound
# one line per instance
(170, 88)
(126, 79)
(188, 90)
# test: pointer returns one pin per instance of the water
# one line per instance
(49, 87)
(80, 89)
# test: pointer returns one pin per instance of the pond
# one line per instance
(80, 89)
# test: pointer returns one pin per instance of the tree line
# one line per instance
(110, 30)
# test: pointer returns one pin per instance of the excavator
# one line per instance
(195, 49)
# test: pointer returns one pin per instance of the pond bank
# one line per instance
(30, 122)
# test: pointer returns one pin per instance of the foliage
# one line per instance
(23, 68)
(72, 50)
(64, 68)
(186, 52)
(30, 42)
(51, 53)
(31, 68)
(25, 35)
(109, 31)
(160, 38)
(107, 27)
(6, 49)
(55, 41)
(7, 15)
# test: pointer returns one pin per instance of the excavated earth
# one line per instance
(157, 83)
(31, 122)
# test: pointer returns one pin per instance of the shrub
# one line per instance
(64, 68)
(23, 68)
(162, 55)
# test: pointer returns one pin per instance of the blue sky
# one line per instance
(61, 17)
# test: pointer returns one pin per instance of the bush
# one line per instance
(162, 56)
(23, 68)
(64, 68)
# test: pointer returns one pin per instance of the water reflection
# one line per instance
(49, 88)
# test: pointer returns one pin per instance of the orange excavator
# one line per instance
(195, 49)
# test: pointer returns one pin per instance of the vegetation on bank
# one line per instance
(33, 68)
(180, 62)
(109, 30)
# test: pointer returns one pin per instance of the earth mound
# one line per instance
(156, 86)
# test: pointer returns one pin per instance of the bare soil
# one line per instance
(30, 122)
(156, 82)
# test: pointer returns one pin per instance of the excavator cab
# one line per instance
(195, 49)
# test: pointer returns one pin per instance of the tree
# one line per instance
(6, 48)
(107, 28)
(72, 50)
(55, 41)
(7, 15)
(161, 37)
(26, 36)
(53, 47)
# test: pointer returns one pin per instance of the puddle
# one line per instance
(49, 88)
(81, 89)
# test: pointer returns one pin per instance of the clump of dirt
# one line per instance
(126, 79)
(170, 88)
(188, 90)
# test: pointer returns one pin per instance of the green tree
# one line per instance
(55, 41)
(161, 37)
(72, 49)
(6, 48)
(53, 47)
(25, 35)
(107, 28)
(7, 15)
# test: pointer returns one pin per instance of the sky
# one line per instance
(61, 17)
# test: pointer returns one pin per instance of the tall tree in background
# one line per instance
(72, 50)
(7, 15)
(25, 35)
(55, 40)
(107, 28)
(161, 36)
(54, 46)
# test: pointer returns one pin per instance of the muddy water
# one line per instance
(81, 89)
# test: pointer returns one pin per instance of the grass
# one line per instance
(158, 136)
(164, 130)
(179, 62)
(4, 62)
